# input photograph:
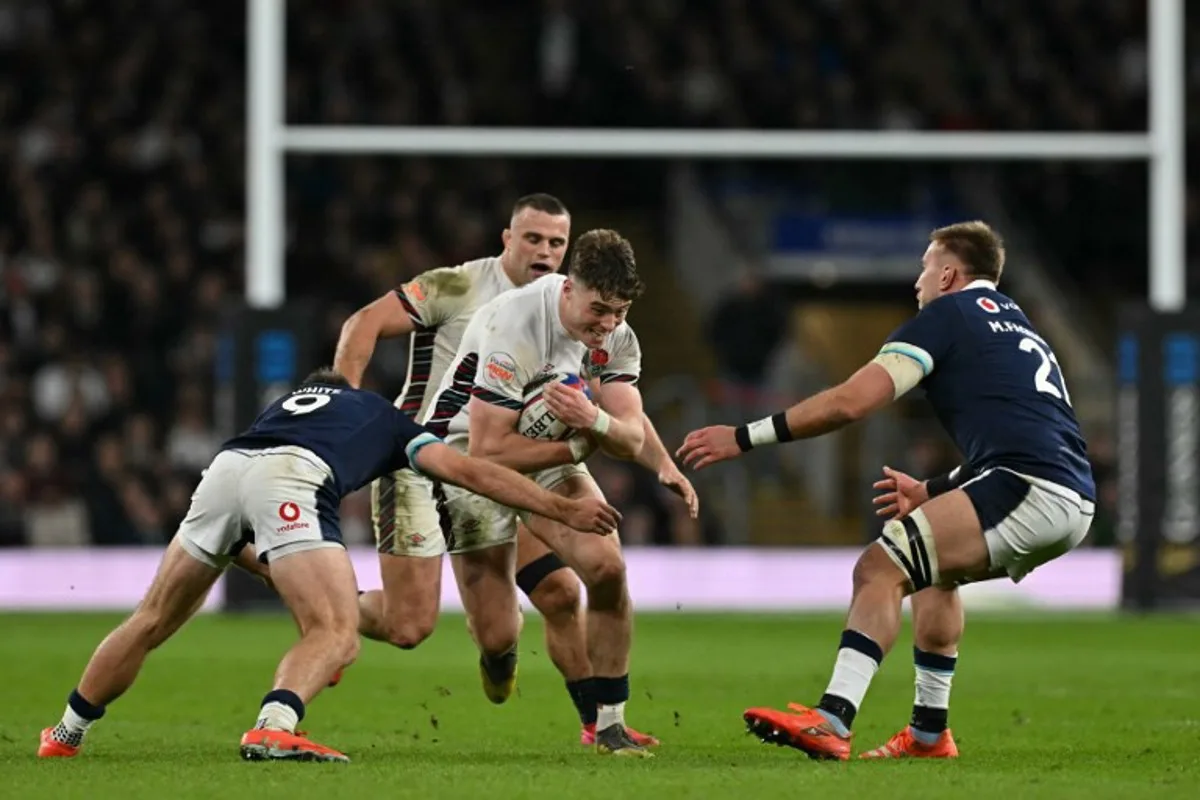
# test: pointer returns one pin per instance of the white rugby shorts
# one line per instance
(280, 498)
(1027, 521)
(422, 518)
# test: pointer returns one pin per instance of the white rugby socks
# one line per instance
(76, 719)
(931, 705)
(857, 662)
(608, 715)
(281, 710)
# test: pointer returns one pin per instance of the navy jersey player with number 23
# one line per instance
(1024, 496)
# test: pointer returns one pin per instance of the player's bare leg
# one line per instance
(554, 591)
(405, 612)
(176, 593)
(938, 623)
(941, 541)
(599, 563)
(319, 588)
(486, 584)
(553, 588)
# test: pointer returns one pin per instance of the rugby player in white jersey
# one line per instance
(435, 309)
(571, 324)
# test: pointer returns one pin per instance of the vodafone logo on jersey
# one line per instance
(988, 304)
(289, 512)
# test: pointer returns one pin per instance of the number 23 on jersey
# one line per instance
(1046, 369)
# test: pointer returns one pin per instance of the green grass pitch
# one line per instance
(1043, 706)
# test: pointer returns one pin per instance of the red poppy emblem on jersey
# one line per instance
(988, 304)
(598, 357)
(289, 512)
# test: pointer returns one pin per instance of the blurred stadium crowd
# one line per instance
(121, 214)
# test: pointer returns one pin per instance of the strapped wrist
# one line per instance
(768, 430)
(602, 422)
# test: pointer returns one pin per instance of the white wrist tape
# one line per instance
(603, 420)
(762, 432)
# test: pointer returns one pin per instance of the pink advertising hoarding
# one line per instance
(661, 579)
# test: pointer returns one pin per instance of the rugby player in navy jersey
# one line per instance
(277, 486)
(1024, 496)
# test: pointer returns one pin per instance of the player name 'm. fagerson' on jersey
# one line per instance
(510, 343)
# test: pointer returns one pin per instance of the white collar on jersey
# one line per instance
(980, 283)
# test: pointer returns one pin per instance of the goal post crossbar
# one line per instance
(706, 144)
(270, 139)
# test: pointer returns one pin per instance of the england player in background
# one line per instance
(559, 324)
(434, 309)
(1024, 496)
(278, 485)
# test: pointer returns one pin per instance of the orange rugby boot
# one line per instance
(264, 744)
(905, 745)
(803, 728)
(337, 678)
(49, 747)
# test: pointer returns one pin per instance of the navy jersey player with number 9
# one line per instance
(275, 489)
(1024, 496)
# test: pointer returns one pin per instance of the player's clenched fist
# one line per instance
(593, 515)
(571, 406)
(708, 446)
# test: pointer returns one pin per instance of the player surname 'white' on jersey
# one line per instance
(441, 302)
(514, 340)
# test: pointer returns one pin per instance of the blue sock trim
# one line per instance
(934, 662)
(925, 737)
(863, 644)
(83, 708)
(288, 698)
(835, 721)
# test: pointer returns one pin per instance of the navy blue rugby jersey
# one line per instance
(359, 434)
(995, 385)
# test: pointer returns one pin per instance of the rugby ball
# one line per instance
(537, 421)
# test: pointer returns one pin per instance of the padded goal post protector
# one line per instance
(261, 353)
(1157, 440)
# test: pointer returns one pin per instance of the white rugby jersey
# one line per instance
(514, 340)
(441, 302)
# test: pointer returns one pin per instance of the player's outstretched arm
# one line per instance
(383, 318)
(588, 515)
(867, 390)
(616, 423)
(493, 435)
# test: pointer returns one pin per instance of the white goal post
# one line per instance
(270, 139)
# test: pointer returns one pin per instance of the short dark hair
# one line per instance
(976, 245)
(540, 201)
(603, 260)
(326, 375)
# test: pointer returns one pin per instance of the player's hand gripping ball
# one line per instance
(553, 409)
